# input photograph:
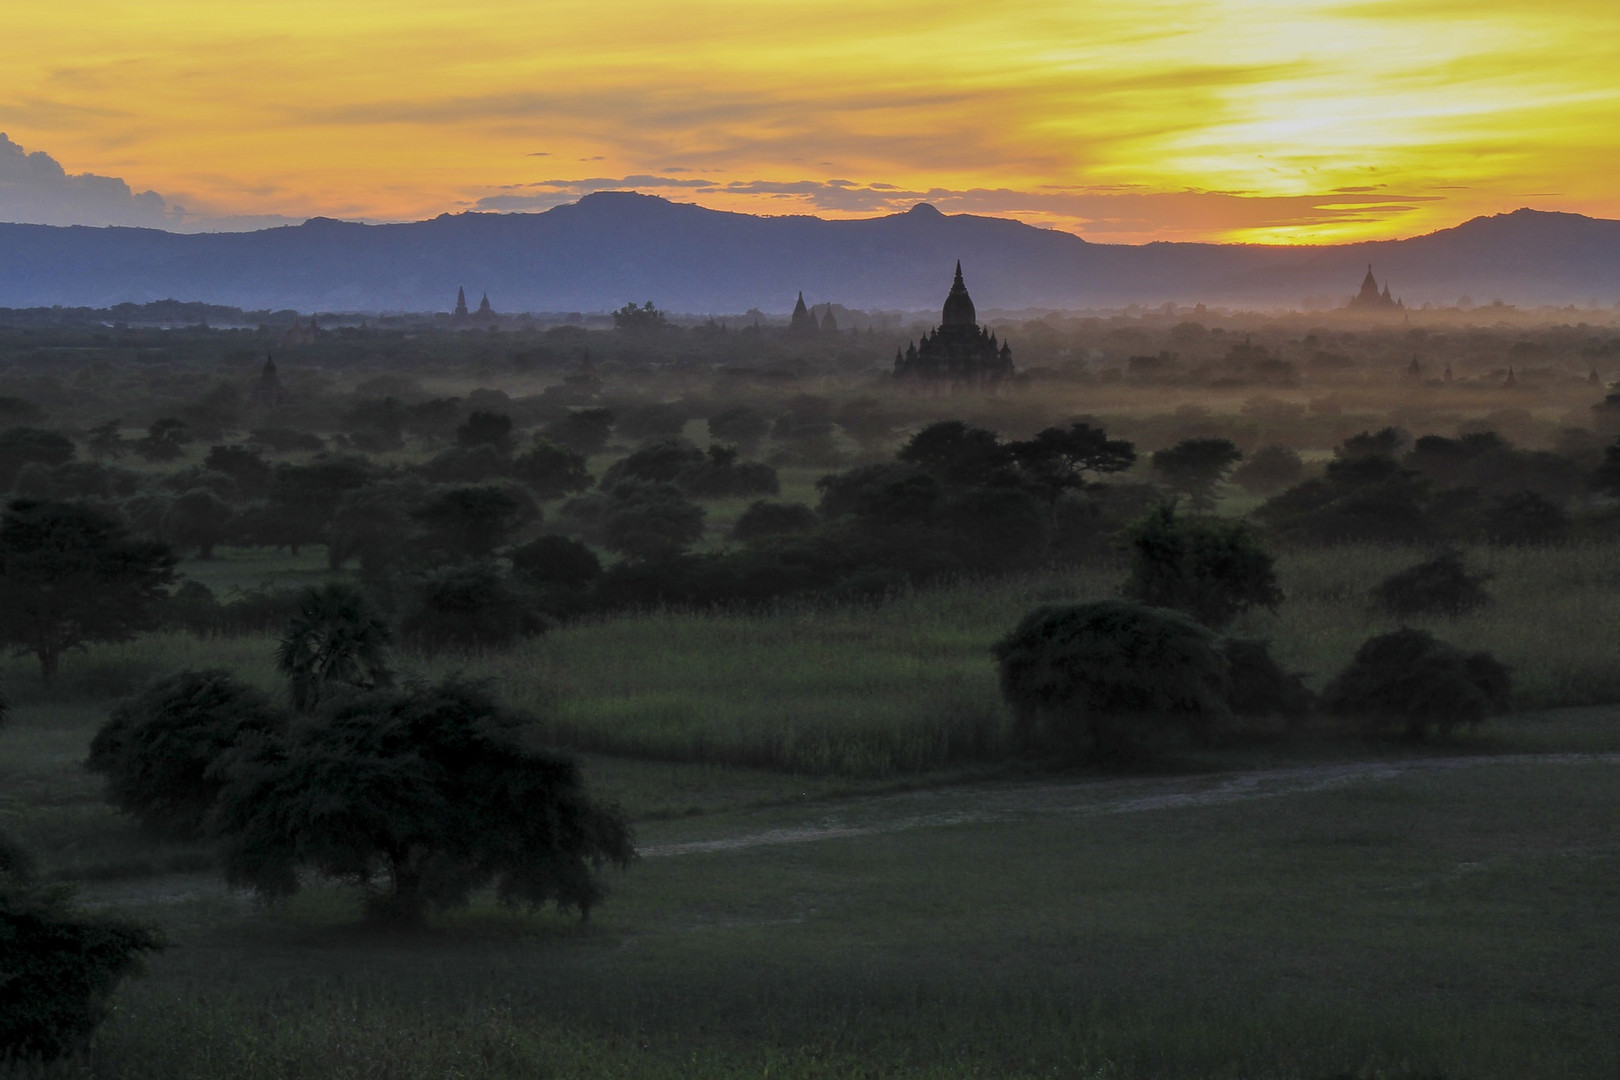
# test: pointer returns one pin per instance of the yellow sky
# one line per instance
(1262, 120)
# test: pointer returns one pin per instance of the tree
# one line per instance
(21, 445)
(956, 454)
(157, 749)
(648, 521)
(472, 521)
(420, 797)
(165, 440)
(1269, 470)
(739, 426)
(1196, 467)
(1095, 677)
(486, 429)
(336, 637)
(763, 520)
(470, 606)
(71, 575)
(643, 321)
(556, 560)
(584, 431)
(550, 470)
(245, 465)
(1061, 458)
(1440, 585)
(58, 966)
(1412, 679)
(1211, 569)
(199, 519)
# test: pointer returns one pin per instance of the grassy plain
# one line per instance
(1443, 923)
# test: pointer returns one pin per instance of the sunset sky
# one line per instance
(1253, 120)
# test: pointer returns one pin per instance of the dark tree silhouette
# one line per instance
(72, 575)
(421, 797)
(1412, 680)
(157, 749)
(550, 470)
(336, 637)
(1196, 467)
(584, 431)
(1211, 569)
(1060, 458)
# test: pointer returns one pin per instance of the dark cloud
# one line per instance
(34, 188)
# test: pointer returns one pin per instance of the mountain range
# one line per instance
(613, 247)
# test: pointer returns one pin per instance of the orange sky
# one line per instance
(1260, 120)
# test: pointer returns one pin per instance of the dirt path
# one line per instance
(968, 805)
(978, 805)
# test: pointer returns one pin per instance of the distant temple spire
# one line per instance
(802, 322)
(483, 306)
(459, 314)
(959, 350)
(1371, 297)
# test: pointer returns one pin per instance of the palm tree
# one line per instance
(336, 637)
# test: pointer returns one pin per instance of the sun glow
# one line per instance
(1297, 121)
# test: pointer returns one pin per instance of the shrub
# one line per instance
(646, 521)
(1412, 679)
(739, 426)
(1098, 676)
(1441, 585)
(1196, 467)
(1212, 569)
(421, 797)
(556, 560)
(765, 519)
(467, 607)
(551, 470)
(58, 966)
(1259, 687)
(156, 749)
(335, 637)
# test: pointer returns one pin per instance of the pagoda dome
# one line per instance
(959, 305)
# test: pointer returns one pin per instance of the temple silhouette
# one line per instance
(805, 324)
(959, 350)
(1370, 298)
(460, 316)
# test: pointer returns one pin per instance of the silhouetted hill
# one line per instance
(617, 246)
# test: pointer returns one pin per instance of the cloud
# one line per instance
(35, 189)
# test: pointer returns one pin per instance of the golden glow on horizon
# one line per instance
(1255, 120)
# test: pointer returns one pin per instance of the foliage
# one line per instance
(1196, 467)
(653, 420)
(1269, 470)
(995, 530)
(1358, 500)
(335, 638)
(1440, 585)
(1260, 688)
(766, 519)
(955, 453)
(556, 560)
(420, 796)
(157, 749)
(58, 966)
(643, 321)
(550, 470)
(486, 429)
(1058, 459)
(741, 426)
(71, 575)
(243, 464)
(21, 445)
(1095, 676)
(1525, 517)
(645, 521)
(1213, 570)
(466, 606)
(472, 521)
(165, 440)
(198, 519)
(1412, 679)
(584, 431)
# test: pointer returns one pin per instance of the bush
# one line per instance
(1260, 689)
(647, 521)
(1269, 470)
(420, 797)
(1438, 586)
(467, 607)
(1209, 568)
(556, 560)
(58, 966)
(1096, 677)
(766, 519)
(1410, 678)
(157, 748)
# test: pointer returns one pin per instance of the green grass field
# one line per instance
(848, 875)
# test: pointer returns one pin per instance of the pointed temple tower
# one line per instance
(803, 322)
(459, 315)
(959, 350)
(1371, 298)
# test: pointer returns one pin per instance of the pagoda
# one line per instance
(958, 350)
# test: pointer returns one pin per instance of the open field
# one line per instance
(1445, 922)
